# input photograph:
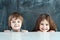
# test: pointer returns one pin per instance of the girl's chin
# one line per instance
(44, 30)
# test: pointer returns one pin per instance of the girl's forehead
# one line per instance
(44, 21)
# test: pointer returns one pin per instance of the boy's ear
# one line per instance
(8, 23)
(9, 26)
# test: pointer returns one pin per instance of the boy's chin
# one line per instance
(16, 29)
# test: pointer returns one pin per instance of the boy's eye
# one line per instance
(18, 21)
(13, 21)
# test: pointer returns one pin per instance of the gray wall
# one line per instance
(30, 9)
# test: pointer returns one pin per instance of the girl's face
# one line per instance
(16, 24)
(44, 26)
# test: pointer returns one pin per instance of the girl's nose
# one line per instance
(44, 27)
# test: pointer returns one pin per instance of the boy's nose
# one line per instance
(16, 23)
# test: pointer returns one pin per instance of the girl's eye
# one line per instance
(46, 24)
(41, 24)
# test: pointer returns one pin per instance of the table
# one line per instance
(29, 35)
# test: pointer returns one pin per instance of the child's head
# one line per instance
(45, 23)
(15, 21)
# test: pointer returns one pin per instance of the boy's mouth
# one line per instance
(15, 26)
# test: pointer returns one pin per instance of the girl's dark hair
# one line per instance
(48, 18)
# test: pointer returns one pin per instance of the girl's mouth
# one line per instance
(44, 29)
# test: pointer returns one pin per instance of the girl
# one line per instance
(45, 24)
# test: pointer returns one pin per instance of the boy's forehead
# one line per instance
(16, 18)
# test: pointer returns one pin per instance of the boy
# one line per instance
(15, 22)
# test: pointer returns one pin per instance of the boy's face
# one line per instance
(16, 24)
(44, 25)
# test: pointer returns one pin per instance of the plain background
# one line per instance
(30, 10)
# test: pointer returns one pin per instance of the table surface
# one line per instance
(29, 36)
